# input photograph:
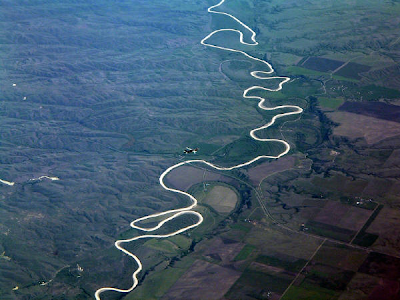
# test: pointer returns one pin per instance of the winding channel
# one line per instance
(174, 213)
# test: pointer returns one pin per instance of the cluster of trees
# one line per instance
(245, 197)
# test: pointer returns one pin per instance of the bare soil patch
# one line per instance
(387, 226)
(258, 173)
(386, 290)
(358, 126)
(269, 269)
(360, 286)
(223, 251)
(394, 160)
(381, 265)
(379, 110)
(331, 213)
(322, 64)
(344, 258)
(344, 216)
(184, 177)
(355, 218)
(203, 280)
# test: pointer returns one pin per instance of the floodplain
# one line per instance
(84, 99)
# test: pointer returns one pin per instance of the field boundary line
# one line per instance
(302, 269)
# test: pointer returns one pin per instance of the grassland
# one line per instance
(107, 116)
(332, 103)
(106, 96)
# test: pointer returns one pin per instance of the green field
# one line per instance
(330, 231)
(303, 71)
(332, 103)
(158, 283)
(294, 266)
(221, 198)
(309, 293)
(245, 252)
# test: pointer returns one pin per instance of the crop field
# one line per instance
(328, 277)
(352, 70)
(222, 199)
(386, 288)
(310, 292)
(377, 110)
(386, 226)
(330, 231)
(245, 252)
(171, 245)
(295, 70)
(332, 103)
(344, 216)
(212, 282)
(254, 282)
(223, 250)
(186, 176)
(342, 257)
(288, 263)
(106, 96)
(321, 64)
(258, 173)
(340, 272)
(388, 266)
(356, 126)
(300, 247)
(159, 282)
(361, 287)
(341, 187)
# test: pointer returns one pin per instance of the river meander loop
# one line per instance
(174, 213)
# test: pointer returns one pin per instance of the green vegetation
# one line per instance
(294, 70)
(330, 231)
(370, 92)
(181, 241)
(106, 96)
(221, 198)
(245, 252)
(241, 226)
(364, 238)
(293, 266)
(373, 92)
(321, 64)
(342, 78)
(157, 283)
(303, 71)
(277, 95)
(328, 277)
(309, 293)
(161, 245)
(332, 103)
(246, 148)
(352, 70)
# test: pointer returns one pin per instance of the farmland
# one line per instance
(106, 96)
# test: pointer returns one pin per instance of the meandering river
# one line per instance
(174, 213)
